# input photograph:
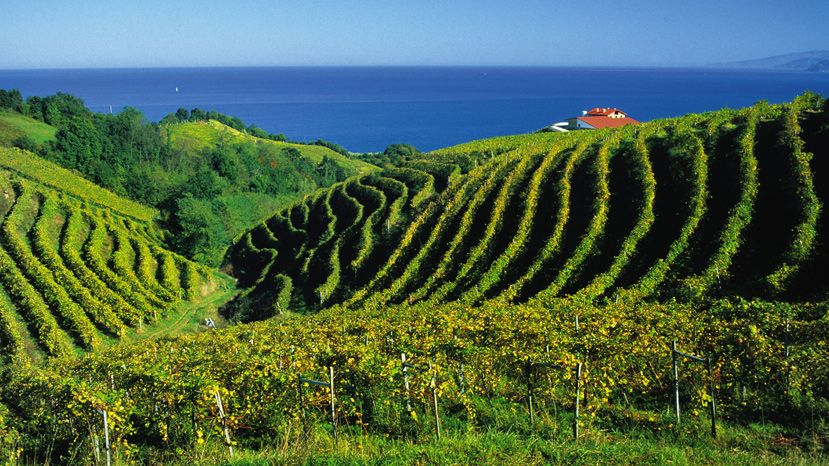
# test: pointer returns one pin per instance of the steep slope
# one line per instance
(719, 204)
(79, 266)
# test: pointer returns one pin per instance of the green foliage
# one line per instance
(464, 235)
(69, 314)
(687, 147)
(552, 242)
(255, 367)
(47, 173)
(492, 275)
(204, 154)
(644, 175)
(739, 217)
(805, 231)
(85, 295)
(12, 100)
(480, 184)
(197, 229)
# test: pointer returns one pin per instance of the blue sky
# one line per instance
(152, 33)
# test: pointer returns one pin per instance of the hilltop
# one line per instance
(196, 136)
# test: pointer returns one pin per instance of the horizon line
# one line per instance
(712, 66)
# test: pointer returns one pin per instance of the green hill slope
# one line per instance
(79, 266)
(469, 301)
(14, 125)
(194, 136)
(720, 204)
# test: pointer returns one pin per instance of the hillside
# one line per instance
(81, 268)
(14, 125)
(512, 300)
(194, 136)
(655, 211)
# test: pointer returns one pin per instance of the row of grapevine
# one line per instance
(11, 342)
(471, 269)
(165, 390)
(69, 314)
(146, 269)
(690, 147)
(442, 227)
(71, 244)
(595, 227)
(739, 216)
(805, 232)
(635, 210)
(393, 189)
(50, 174)
(348, 240)
(42, 245)
(489, 278)
(552, 241)
(439, 283)
(92, 253)
(418, 228)
(420, 183)
(28, 302)
(370, 229)
(121, 262)
(76, 273)
(644, 176)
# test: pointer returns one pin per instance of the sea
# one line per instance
(367, 108)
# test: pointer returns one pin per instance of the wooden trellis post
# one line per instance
(330, 385)
(105, 416)
(224, 422)
(406, 367)
(712, 405)
(435, 398)
(576, 406)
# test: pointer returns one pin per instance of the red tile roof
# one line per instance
(599, 111)
(605, 122)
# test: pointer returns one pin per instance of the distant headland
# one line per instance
(811, 61)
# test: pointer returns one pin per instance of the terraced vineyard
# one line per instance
(79, 266)
(512, 288)
(653, 211)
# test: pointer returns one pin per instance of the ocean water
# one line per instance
(367, 108)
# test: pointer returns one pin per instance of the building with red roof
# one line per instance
(601, 117)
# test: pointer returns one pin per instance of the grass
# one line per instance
(196, 135)
(246, 210)
(188, 317)
(14, 125)
(511, 440)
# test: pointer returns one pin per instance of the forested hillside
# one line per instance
(210, 176)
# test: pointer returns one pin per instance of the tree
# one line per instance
(12, 100)
(329, 172)
(78, 144)
(395, 153)
(197, 114)
(182, 114)
(198, 230)
(26, 143)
